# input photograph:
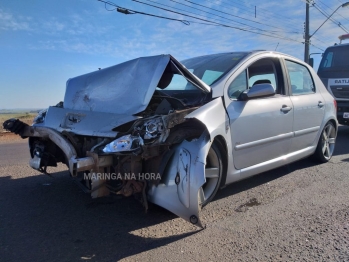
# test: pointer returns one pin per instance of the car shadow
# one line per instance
(262, 178)
(341, 148)
(51, 219)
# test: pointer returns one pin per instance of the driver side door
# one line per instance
(261, 128)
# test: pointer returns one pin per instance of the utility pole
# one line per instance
(306, 34)
(307, 37)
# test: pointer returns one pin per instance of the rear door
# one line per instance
(308, 104)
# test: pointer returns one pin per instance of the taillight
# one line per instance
(335, 104)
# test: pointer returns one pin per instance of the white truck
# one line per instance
(334, 73)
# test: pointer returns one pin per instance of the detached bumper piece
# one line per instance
(92, 162)
(15, 126)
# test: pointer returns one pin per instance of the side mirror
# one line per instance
(257, 91)
(311, 62)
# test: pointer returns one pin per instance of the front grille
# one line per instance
(340, 91)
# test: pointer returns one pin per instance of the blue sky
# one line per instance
(44, 43)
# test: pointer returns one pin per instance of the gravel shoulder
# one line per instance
(10, 138)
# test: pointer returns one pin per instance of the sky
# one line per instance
(43, 43)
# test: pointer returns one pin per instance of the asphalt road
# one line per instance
(299, 212)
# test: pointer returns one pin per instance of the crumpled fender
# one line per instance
(216, 120)
(184, 175)
(213, 115)
(179, 190)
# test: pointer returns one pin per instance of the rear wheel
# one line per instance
(213, 175)
(326, 144)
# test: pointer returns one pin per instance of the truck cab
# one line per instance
(334, 73)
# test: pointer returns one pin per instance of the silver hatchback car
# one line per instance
(172, 133)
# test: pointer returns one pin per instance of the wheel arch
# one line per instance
(222, 145)
(334, 122)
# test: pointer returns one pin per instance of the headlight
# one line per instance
(153, 128)
(124, 143)
(40, 118)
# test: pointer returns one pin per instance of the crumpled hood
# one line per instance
(125, 88)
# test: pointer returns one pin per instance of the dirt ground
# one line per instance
(24, 117)
(7, 137)
(299, 212)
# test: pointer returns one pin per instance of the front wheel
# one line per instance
(213, 175)
(325, 147)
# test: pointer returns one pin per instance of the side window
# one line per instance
(301, 80)
(328, 60)
(238, 85)
(263, 71)
(266, 71)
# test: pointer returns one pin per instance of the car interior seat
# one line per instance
(262, 81)
(294, 89)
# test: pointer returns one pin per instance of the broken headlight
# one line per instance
(40, 118)
(124, 143)
(153, 128)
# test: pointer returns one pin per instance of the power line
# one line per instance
(272, 18)
(333, 10)
(180, 8)
(327, 16)
(218, 23)
(209, 23)
(289, 23)
(224, 25)
(320, 43)
(242, 29)
(171, 7)
(132, 12)
(252, 27)
(313, 37)
(233, 15)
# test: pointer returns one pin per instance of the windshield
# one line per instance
(209, 69)
(335, 58)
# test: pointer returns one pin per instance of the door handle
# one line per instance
(285, 108)
(320, 104)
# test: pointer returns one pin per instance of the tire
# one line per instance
(213, 175)
(326, 144)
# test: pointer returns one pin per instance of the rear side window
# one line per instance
(300, 78)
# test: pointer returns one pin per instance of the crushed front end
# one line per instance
(134, 140)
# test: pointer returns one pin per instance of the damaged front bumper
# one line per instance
(75, 164)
